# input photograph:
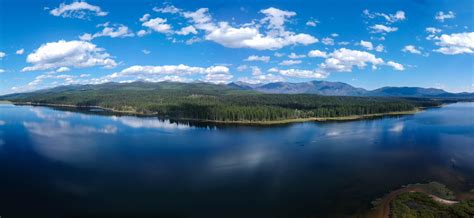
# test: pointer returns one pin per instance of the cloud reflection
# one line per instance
(150, 123)
(398, 127)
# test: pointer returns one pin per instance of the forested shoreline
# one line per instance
(200, 101)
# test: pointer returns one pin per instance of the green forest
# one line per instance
(203, 101)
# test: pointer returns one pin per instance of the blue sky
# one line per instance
(367, 44)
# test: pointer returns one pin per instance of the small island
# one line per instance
(219, 103)
(431, 199)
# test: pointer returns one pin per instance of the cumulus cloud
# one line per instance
(343, 60)
(250, 35)
(432, 30)
(77, 9)
(112, 31)
(327, 41)
(367, 45)
(411, 49)
(295, 56)
(258, 58)
(315, 74)
(2, 55)
(168, 9)
(63, 69)
(379, 48)
(380, 28)
(2, 70)
(146, 51)
(396, 65)
(317, 53)
(214, 74)
(158, 24)
(290, 62)
(187, 30)
(390, 18)
(262, 78)
(312, 23)
(79, 54)
(218, 78)
(456, 43)
(20, 51)
(172, 70)
(441, 16)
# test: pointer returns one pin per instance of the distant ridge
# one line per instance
(325, 88)
(344, 89)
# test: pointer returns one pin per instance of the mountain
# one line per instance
(344, 89)
(312, 87)
(408, 91)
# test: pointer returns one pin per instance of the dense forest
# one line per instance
(214, 102)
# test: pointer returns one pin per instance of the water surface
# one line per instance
(61, 163)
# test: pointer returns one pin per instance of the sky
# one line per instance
(368, 44)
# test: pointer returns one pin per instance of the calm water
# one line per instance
(66, 163)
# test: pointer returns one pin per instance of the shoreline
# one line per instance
(383, 208)
(243, 122)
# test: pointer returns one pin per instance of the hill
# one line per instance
(209, 102)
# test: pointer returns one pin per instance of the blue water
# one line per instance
(62, 163)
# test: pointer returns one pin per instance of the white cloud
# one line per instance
(304, 73)
(367, 45)
(63, 69)
(146, 51)
(157, 24)
(258, 58)
(278, 54)
(142, 33)
(187, 30)
(396, 65)
(145, 18)
(112, 31)
(343, 60)
(327, 41)
(432, 30)
(290, 62)
(170, 9)
(441, 16)
(456, 43)
(2, 70)
(379, 48)
(249, 35)
(256, 71)
(2, 55)
(63, 53)
(20, 51)
(295, 56)
(390, 18)
(411, 49)
(312, 23)
(77, 9)
(380, 28)
(179, 70)
(242, 68)
(317, 53)
(262, 78)
(219, 78)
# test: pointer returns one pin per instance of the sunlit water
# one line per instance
(60, 163)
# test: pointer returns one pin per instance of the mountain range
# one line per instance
(325, 88)
(344, 89)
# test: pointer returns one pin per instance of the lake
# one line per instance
(63, 163)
